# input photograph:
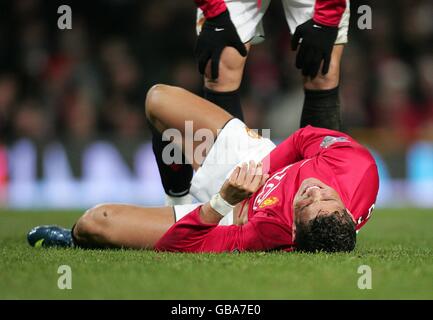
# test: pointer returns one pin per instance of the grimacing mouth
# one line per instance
(310, 187)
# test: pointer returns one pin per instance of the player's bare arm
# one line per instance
(242, 183)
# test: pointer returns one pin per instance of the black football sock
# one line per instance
(321, 109)
(229, 101)
(175, 178)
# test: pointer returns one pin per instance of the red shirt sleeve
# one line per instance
(302, 144)
(211, 8)
(329, 12)
(287, 152)
(365, 197)
(263, 231)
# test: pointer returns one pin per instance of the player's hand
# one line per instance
(316, 42)
(243, 182)
(216, 34)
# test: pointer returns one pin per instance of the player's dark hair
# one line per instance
(329, 233)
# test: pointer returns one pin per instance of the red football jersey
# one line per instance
(330, 156)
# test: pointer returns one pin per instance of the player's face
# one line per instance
(315, 198)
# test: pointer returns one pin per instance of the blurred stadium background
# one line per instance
(72, 125)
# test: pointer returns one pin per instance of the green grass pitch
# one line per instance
(396, 244)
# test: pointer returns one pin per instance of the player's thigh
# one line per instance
(247, 19)
(298, 12)
(118, 225)
(231, 69)
(169, 107)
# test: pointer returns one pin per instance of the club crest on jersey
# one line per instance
(329, 141)
(268, 202)
(270, 185)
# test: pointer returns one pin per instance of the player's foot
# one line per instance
(50, 236)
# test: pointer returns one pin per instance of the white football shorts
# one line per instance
(235, 144)
(247, 18)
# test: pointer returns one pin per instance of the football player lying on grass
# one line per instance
(312, 192)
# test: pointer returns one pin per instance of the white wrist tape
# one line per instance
(220, 205)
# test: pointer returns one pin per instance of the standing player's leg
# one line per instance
(224, 91)
(322, 102)
(321, 105)
(246, 17)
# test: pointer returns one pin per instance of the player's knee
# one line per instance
(331, 79)
(322, 82)
(228, 80)
(230, 71)
(93, 223)
(153, 100)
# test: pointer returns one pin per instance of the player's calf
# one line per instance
(175, 178)
(322, 102)
(330, 79)
(322, 109)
